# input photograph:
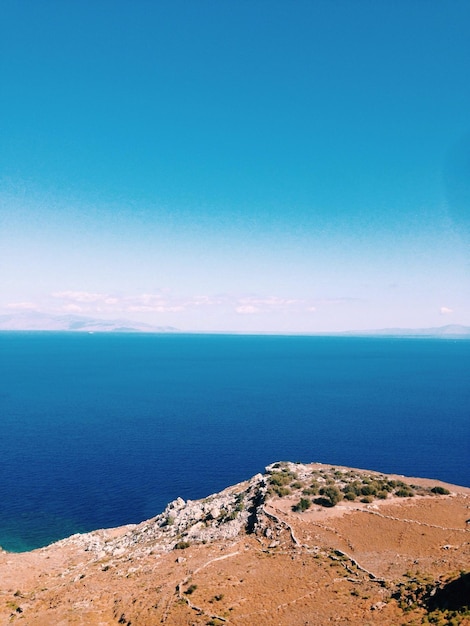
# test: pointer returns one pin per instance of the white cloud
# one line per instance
(338, 301)
(160, 308)
(80, 296)
(80, 301)
(142, 303)
(145, 299)
(206, 300)
(22, 306)
(444, 310)
(246, 309)
(161, 304)
(267, 303)
(73, 308)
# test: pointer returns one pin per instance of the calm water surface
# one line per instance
(104, 429)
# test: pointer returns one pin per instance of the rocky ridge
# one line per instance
(219, 517)
(299, 544)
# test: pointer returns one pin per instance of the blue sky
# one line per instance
(234, 165)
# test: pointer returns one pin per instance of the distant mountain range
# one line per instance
(75, 323)
(454, 331)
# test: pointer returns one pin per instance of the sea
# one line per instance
(100, 430)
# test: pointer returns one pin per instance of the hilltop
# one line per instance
(37, 321)
(450, 331)
(75, 323)
(299, 544)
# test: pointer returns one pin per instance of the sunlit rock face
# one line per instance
(298, 544)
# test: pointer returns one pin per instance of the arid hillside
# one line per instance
(300, 544)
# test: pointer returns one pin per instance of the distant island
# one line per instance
(76, 323)
(34, 320)
(453, 331)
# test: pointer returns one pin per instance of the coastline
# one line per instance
(263, 560)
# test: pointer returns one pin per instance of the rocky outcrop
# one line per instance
(221, 516)
(298, 544)
(239, 509)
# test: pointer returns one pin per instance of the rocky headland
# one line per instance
(300, 544)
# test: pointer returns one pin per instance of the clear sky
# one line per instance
(236, 165)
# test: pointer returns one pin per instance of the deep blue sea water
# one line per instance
(105, 429)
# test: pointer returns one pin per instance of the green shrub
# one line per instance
(284, 477)
(331, 496)
(279, 478)
(404, 492)
(442, 491)
(182, 545)
(355, 487)
(302, 505)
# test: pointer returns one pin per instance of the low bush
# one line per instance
(331, 496)
(302, 505)
(353, 487)
(284, 477)
(368, 490)
(404, 492)
(441, 491)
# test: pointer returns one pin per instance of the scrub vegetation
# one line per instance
(447, 603)
(331, 485)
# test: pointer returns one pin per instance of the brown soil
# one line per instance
(328, 565)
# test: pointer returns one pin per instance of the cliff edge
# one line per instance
(299, 544)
